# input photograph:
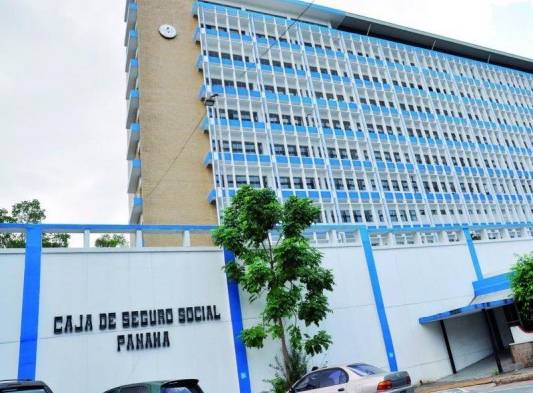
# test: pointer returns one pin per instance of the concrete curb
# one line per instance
(498, 380)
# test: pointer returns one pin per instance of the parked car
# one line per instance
(354, 378)
(19, 385)
(169, 386)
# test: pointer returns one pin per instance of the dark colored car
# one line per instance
(26, 386)
(176, 386)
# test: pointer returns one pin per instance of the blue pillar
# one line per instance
(473, 253)
(378, 298)
(29, 323)
(243, 374)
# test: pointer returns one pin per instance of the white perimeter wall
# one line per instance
(11, 280)
(415, 281)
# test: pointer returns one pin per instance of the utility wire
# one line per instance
(180, 152)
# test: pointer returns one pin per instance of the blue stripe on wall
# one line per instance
(378, 298)
(236, 323)
(29, 323)
(473, 253)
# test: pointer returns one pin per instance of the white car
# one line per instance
(354, 378)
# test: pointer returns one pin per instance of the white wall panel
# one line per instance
(421, 281)
(469, 339)
(76, 283)
(496, 257)
(11, 284)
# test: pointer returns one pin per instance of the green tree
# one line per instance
(287, 274)
(107, 240)
(28, 212)
(522, 286)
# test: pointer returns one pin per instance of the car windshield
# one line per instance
(22, 389)
(364, 370)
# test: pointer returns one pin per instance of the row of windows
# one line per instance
(456, 135)
(398, 184)
(331, 42)
(412, 103)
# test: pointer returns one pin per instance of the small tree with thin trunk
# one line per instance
(522, 286)
(287, 275)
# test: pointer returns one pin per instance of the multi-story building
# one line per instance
(377, 123)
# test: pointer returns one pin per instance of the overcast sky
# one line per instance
(62, 106)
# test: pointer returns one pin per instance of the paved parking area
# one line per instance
(524, 387)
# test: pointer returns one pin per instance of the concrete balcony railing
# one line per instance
(130, 17)
(131, 47)
(134, 134)
(134, 175)
(131, 78)
(133, 107)
(136, 209)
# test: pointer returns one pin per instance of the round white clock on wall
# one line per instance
(167, 31)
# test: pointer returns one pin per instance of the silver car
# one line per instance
(354, 378)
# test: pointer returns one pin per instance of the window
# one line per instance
(285, 181)
(322, 379)
(236, 147)
(298, 183)
(350, 184)
(135, 389)
(255, 181)
(310, 182)
(168, 388)
(292, 150)
(240, 180)
(249, 147)
(345, 216)
(332, 153)
(279, 149)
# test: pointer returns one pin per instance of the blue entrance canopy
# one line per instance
(503, 298)
(490, 292)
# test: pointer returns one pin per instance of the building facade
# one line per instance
(377, 123)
